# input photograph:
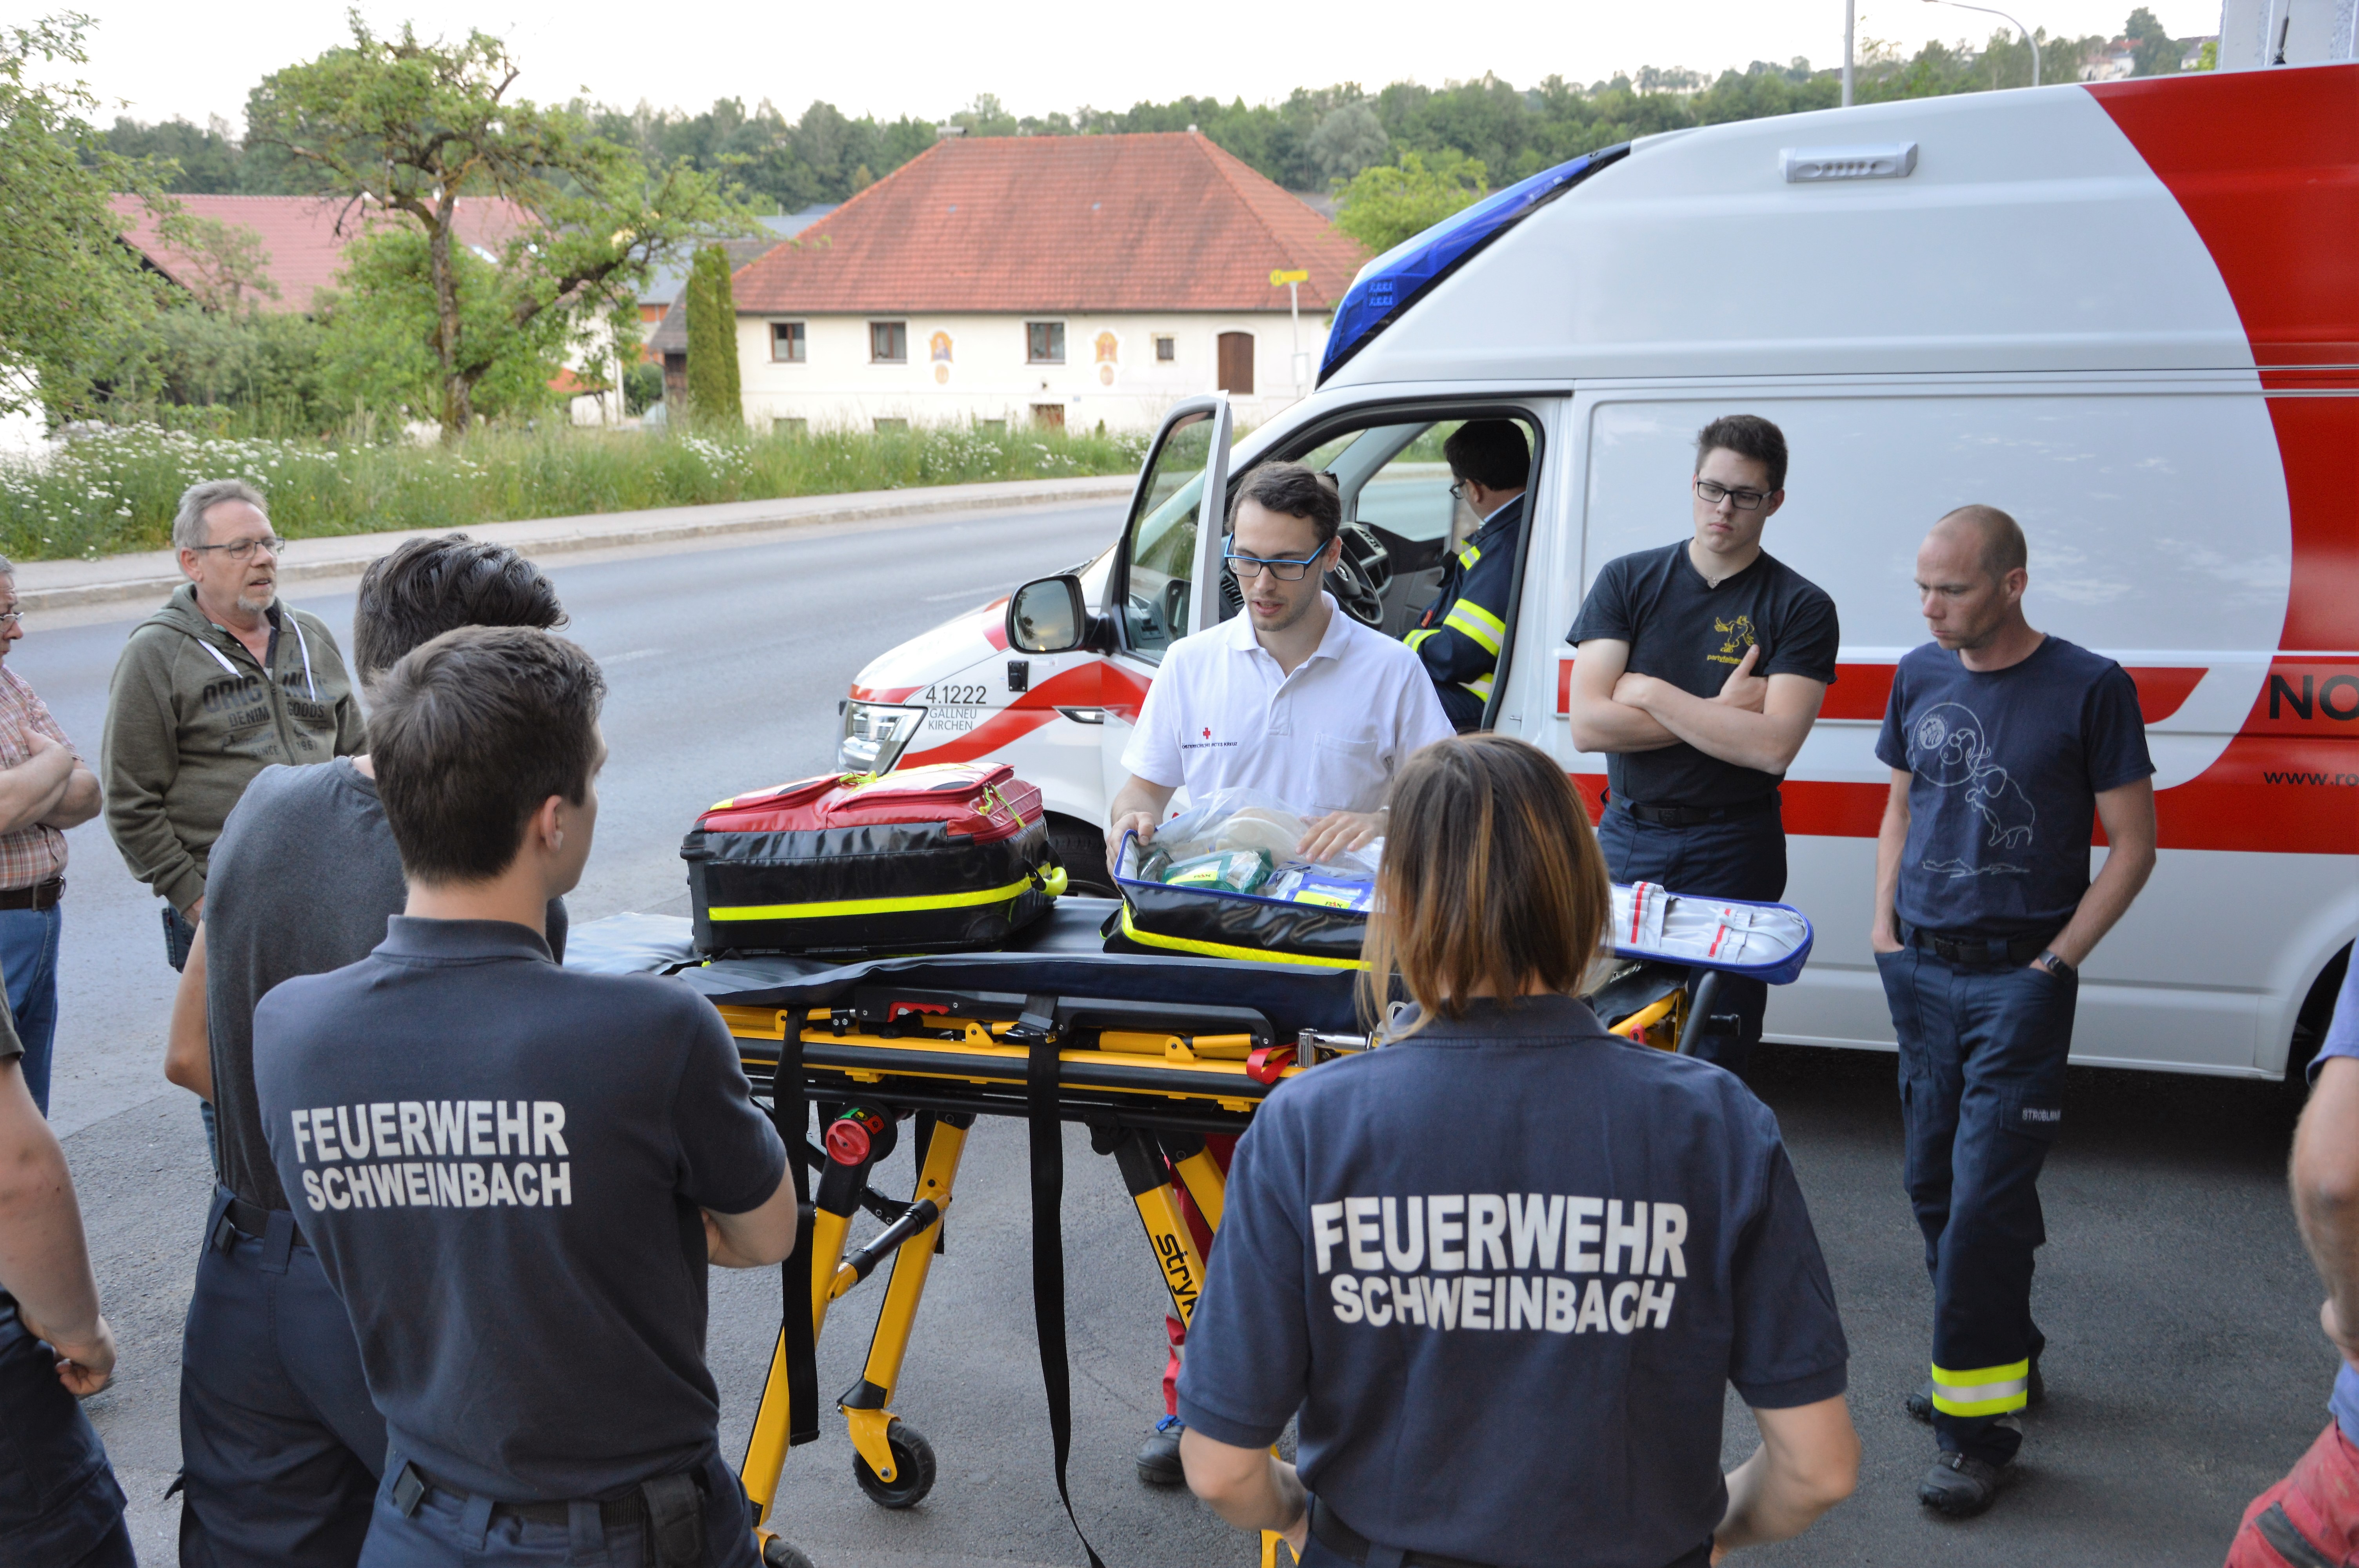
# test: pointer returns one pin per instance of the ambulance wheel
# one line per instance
(913, 1465)
(776, 1554)
(1083, 852)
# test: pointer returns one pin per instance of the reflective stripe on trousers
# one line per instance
(1985, 1390)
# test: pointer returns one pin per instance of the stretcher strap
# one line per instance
(1047, 1128)
(790, 1115)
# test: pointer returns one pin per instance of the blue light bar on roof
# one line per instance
(1394, 280)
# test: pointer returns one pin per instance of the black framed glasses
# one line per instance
(1712, 494)
(243, 549)
(1457, 489)
(11, 618)
(1245, 567)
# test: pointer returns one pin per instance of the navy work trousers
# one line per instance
(1982, 1097)
(281, 1445)
(445, 1532)
(59, 1505)
(1744, 859)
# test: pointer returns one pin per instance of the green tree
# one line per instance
(404, 128)
(76, 306)
(1384, 205)
(2154, 52)
(714, 392)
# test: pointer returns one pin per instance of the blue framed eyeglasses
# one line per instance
(1245, 567)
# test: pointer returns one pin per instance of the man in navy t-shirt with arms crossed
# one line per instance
(2006, 746)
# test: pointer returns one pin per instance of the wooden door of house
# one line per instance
(1236, 363)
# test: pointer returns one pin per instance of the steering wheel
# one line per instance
(1362, 574)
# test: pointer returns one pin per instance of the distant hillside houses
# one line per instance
(1066, 281)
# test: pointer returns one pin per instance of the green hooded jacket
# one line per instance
(191, 717)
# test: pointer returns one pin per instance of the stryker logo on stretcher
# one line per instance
(330, 1136)
(1465, 1234)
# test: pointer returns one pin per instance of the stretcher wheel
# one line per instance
(913, 1463)
(777, 1553)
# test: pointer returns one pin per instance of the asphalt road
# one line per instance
(2185, 1368)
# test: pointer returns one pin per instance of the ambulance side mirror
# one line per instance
(1048, 616)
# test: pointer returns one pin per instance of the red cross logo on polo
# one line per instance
(1208, 734)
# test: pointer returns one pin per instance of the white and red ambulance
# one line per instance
(2126, 312)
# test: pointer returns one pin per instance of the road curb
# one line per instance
(153, 574)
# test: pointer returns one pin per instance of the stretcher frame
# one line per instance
(1150, 1111)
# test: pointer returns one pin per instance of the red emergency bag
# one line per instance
(920, 860)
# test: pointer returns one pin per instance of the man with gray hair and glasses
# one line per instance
(45, 788)
(216, 686)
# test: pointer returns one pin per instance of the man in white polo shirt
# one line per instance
(1294, 698)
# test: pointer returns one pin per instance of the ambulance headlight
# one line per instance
(875, 735)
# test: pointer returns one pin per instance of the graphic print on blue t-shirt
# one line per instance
(359, 1156)
(2007, 765)
(1948, 748)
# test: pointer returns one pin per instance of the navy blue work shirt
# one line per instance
(2009, 766)
(1506, 1269)
(501, 1163)
(2343, 1040)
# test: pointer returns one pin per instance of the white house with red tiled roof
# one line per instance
(1071, 280)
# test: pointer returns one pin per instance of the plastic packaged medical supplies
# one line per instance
(1325, 889)
(1229, 870)
(926, 859)
(1764, 941)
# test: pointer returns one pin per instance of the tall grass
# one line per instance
(115, 489)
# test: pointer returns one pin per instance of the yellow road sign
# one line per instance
(1279, 278)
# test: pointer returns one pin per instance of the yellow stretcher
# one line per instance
(920, 1040)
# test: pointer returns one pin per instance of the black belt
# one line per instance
(668, 1510)
(1983, 952)
(1697, 815)
(413, 1485)
(1352, 1546)
(253, 1221)
(41, 895)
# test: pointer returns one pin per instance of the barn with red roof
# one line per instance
(1060, 280)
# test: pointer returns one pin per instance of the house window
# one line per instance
(1044, 342)
(788, 343)
(1048, 415)
(888, 343)
(892, 427)
(1167, 350)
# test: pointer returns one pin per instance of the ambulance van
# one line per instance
(2126, 312)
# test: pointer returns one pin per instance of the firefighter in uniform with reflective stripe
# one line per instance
(1463, 630)
(2007, 747)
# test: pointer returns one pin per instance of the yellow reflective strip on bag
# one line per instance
(1477, 622)
(1221, 950)
(1982, 1391)
(866, 905)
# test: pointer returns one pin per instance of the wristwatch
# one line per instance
(2054, 965)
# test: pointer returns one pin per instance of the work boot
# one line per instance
(1158, 1456)
(1919, 1403)
(1962, 1487)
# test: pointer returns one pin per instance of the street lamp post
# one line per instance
(1851, 8)
(2003, 17)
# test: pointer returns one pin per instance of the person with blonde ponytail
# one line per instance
(1503, 1266)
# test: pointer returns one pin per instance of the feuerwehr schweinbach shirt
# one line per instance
(2006, 769)
(500, 1164)
(1506, 1269)
(1693, 634)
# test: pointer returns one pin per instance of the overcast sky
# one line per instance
(928, 57)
